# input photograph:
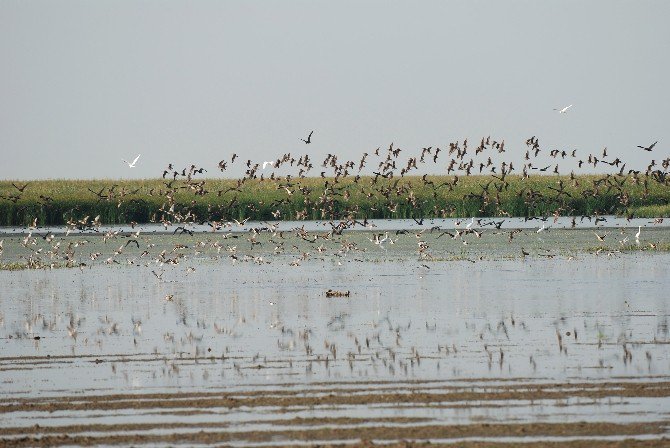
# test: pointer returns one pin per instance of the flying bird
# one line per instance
(19, 188)
(132, 165)
(648, 148)
(309, 138)
(601, 238)
(564, 110)
(265, 164)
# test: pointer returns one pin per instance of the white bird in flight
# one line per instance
(378, 240)
(132, 165)
(265, 164)
(564, 110)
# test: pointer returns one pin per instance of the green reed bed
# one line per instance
(54, 202)
(653, 211)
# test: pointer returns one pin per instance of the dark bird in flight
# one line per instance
(648, 148)
(182, 230)
(309, 138)
(24, 187)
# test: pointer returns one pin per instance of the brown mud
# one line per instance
(327, 431)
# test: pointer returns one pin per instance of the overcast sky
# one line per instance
(86, 83)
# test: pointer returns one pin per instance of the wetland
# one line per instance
(489, 305)
(229, 337)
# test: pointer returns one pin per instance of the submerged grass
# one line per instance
(16, 266)
(643, 247)
(54, 202)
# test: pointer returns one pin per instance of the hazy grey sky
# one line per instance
(85, 83)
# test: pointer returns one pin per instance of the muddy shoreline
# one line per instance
(352, 430)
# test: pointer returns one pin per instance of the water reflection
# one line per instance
(545, 318)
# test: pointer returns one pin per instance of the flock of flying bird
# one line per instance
(383, 176)
(389, 176)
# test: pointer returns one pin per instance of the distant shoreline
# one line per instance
(200, 200)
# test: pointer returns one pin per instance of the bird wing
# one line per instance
(138, 156)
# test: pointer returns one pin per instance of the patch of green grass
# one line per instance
(646, 246)
(55, 202)
(13, 266)
(643, 246)
(652, 211)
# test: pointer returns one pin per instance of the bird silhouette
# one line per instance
(309, 138)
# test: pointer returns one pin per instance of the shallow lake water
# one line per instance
(221, 313)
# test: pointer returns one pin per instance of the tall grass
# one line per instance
(54, 202)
